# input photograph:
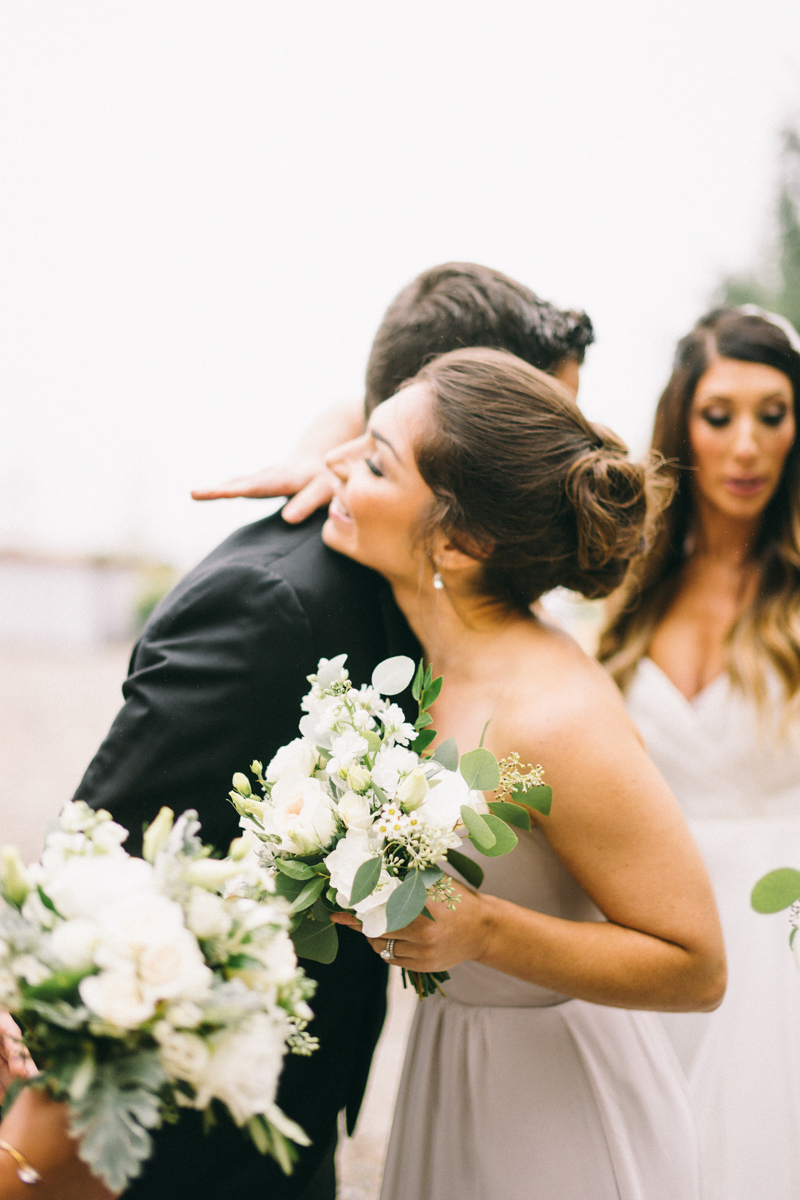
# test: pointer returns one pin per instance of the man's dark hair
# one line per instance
(459, 305)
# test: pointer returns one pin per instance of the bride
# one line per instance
(475, 489)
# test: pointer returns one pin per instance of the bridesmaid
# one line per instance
(706, 645)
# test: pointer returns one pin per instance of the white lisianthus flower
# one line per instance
(183, 1055)
(391, 765)
(372, 911)
(207, 914)
(358, 778)
(354, 811)
(346, 749)
(117, 997)
(297, 758)
(300, 814)
(343, 862)
(244, 1067)
(73, 943)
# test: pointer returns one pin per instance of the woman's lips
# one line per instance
(749, 486)
(338, 511)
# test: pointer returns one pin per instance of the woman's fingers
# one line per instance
(313, 496)
(284, 480)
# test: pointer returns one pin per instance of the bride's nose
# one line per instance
(339, 459)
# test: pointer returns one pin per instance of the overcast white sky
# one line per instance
(206, 207)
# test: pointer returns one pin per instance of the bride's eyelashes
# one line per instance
(718, 418)
(373, 466)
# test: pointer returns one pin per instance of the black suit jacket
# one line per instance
(214, 682)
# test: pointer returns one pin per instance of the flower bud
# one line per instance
(242, 784)
(210, 873)
(239, 848)
(358, 778)
(13, 877)
(413, 790)
(156, 834)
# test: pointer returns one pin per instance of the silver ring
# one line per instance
(388, 951)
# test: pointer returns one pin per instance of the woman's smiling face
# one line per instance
(380, 497)
(741, 429)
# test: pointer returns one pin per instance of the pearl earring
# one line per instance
(438, 582)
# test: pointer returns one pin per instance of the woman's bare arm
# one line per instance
(36, 1126)
(304, 476)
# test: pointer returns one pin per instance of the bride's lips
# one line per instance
(338, 512)
(746, 485)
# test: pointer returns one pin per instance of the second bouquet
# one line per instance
(353, 817)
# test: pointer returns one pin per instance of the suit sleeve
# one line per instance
(213, 684)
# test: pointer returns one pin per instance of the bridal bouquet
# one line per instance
(353, 817)
(146, 985)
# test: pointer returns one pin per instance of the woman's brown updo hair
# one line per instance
(525, 483)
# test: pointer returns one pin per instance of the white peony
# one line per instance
(117, 997)
(73, 943)
(85, 887)
(372, 911)
(354, 811)
(351, 852)
(244, 1066)
(300, 814)
(297, 758)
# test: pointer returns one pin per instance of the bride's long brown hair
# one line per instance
(768, 632)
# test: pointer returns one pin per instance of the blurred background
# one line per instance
(205, 209)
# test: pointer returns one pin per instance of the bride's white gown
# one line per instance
(741, 794)
(512, 1092)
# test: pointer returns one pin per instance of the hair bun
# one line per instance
(609, 495)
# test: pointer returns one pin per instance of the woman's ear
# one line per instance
(449, 556)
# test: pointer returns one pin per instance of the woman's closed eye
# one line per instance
(373, 466)
(717, 418)
(773, 416)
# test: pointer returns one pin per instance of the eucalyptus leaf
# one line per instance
(316, 941)
(297, 870)
(431, 875)
(512, 814)
(309, 894)
(480, 770)
(776, 891)
(480, 832)
(426, 912)
(466, 867)
(505, 838)
(540, 798)
(406, 902)
(447, 754)
(287, 886)
(393, 675)
(365, 879)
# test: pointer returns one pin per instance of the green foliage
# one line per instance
(480, 834)
(775, 282)
(114, 1115)
(423, 740)
(776, 891)
(480, 770)
(316, 940)
(309, 894)
(406, 902)
(540, 798)
(365, 879)
(466, 867)
(514, 814)
(297, 870)
(447, 755)
(505, 838)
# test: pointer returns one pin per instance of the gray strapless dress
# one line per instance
(513, 1092)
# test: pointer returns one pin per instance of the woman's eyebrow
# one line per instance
(380, 438)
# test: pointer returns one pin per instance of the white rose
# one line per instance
(117, 997)
(442, 805)
(148, 933)
(244, 1067)
(393, 764)
(413, 790)
(343, 862)
(183, 1055)
(372, 911)
(210, 873)
(207, 915)
(184, 1014)
(73, 943)
(297, 758)
(301, 814)
(358, 777)
(354, 811)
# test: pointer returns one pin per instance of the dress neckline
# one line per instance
(693, 702)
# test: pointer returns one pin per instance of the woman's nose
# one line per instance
(338, 460)
(746, 444)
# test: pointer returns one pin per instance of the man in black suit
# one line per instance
(216, 681)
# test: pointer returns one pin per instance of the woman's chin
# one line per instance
(336, 538)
